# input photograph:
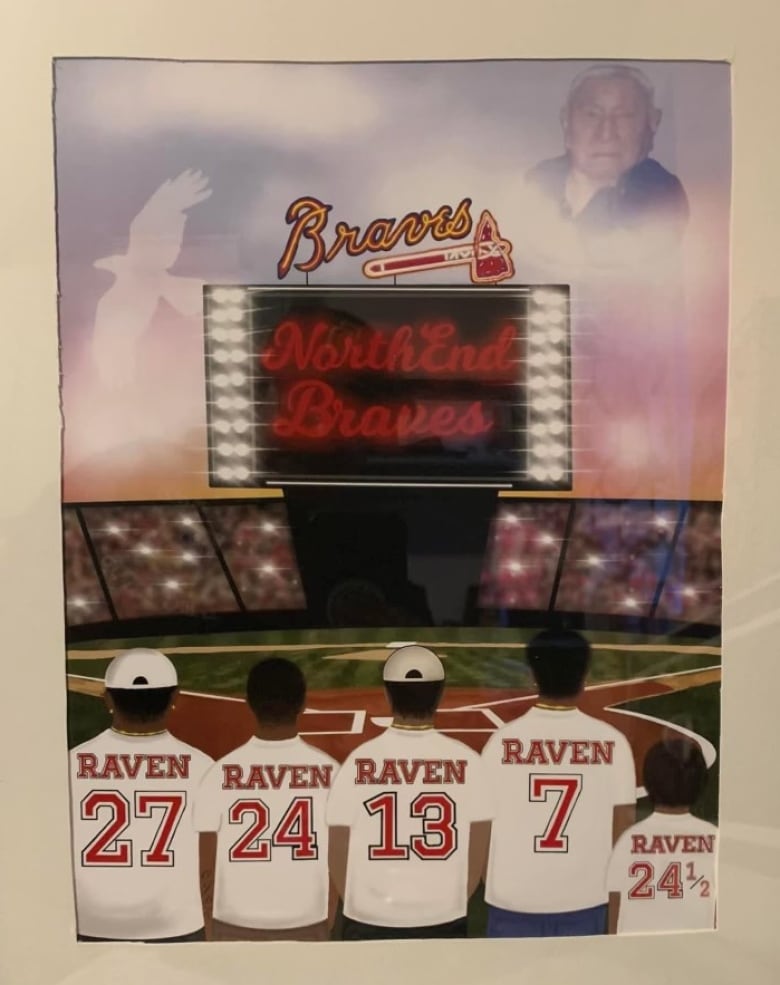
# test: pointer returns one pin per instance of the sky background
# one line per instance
(371, 140)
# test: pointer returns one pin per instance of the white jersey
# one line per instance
(557, 776)
(409, 798)
(135, 850)
(266, 801)
(665, 869)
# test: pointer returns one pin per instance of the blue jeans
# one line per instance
(575, 923)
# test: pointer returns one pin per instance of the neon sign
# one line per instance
(382, 386)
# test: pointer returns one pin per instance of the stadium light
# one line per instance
(594, 561)
(515, 567)
(188, 556)
(546, 539)
(268, 527)
(172, 584)
(690, 592)
(630, 602)
(548, 405)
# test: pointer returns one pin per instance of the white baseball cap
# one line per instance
(413, 663)
(140, 670)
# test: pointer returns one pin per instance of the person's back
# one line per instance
(565, 786)
(557, 776)
(261, 814)
(409, 816)
(132, 791)
(662, 875)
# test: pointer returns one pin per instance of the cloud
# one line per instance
(290, 104)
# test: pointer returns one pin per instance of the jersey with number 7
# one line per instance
(557, 776)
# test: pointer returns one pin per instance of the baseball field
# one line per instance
(648, 687)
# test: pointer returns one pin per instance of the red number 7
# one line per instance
(568, 788)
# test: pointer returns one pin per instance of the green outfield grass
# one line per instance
(478, 665)
(697, 709)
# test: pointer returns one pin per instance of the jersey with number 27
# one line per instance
(664, 869)
(135, 849)
(557, 777)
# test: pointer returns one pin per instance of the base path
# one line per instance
(337, 721)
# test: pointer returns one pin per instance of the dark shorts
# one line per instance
(353, 930)
(196, 935)
(574, 923)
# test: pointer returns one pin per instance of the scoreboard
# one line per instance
(366, 386)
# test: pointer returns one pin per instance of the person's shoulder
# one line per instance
(316, 755)
(599, 729)
(93, 744)
(652, 180)
(197, 755)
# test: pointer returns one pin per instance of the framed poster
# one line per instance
(587, 503)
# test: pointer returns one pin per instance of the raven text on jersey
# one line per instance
(397, 771)
(126, 766)
(262, 776)
(554, 752)
(657, 844)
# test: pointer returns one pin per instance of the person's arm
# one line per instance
(338, 850)
(479, 843)
(623, 816)
(208, 864)
(614, 913)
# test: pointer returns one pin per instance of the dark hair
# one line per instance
(559, 660)
(674, 773)
(142, 704)
(276, 690)
(414, 699)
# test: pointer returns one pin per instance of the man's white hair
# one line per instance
(615, 71)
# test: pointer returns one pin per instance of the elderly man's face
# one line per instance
(608, 128)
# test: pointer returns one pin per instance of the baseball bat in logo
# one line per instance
(489, 257)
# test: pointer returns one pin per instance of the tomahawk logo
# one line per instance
(487, 255)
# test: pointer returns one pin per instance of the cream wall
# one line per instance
(36, 913)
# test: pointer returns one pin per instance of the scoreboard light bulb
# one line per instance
(234, 314)
(540, 403)
(537, 359)
(557, 450)
(555, 335)
(240, 425)
(539, 472)
(538, 318)
(555, 358)
(538, 338)
(541, 297)
(221, 380)
(555, 317)
(225, 448)
(221, 355)
(241, 473)
(221, 295)
(222, 426)
(237, 379)
(554, 402)
(542, 450)
(225, 472)
(240, 403)
(557, 473)
(224, 403)
(237, 355)
(241, 449)
(220, 333)
(556, 299)
(555, 381)
(236, 335)
(236, 295)
(539, 430)
(219, 315)
(537, 383)
(556, 426)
